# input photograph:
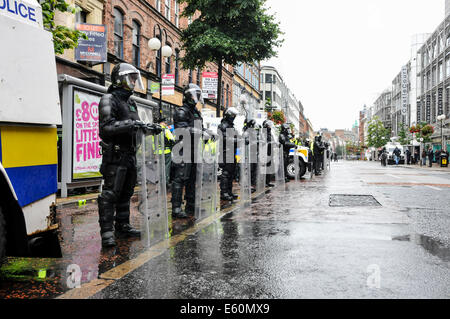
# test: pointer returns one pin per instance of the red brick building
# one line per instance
(131, 24)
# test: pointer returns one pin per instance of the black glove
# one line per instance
(153, 129)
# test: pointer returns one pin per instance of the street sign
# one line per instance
(209, 85)
(93, 49)
(168, 84)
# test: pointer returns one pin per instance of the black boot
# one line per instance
(178, 213)
(108, 239)
(190, 209)
(123, 227)
(226, 196)
(106, 220)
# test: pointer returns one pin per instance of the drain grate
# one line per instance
(345, 200)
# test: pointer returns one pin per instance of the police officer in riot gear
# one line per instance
(318, 150)
(228, 147)
(120, 130)
(254, 147)
(267, 126)
(284, 139)
(184, 172)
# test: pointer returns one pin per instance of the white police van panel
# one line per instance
(29, 110)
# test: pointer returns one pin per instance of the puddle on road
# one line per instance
(431, 245)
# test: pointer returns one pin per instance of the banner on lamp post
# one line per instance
(154, 87)
(168, 84)
(404, 90)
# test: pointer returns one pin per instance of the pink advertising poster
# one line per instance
(86, 139)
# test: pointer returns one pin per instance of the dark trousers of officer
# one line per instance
(226, 180)
(286, 162)
(120, 175)
(253, 167)
(317, 164)
(184, 176)
(168, 164)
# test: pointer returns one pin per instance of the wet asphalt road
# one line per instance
(292, 244)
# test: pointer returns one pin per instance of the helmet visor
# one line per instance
(197, 96)
(133, 80)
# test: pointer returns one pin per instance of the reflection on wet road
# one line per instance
(291, 242)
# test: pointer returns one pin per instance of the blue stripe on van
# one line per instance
(32, 183)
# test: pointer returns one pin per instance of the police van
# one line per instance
(29, 114)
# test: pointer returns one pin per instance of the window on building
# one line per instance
(177, 14)
(228, 96)
(433, 77)
(190, 76)
(268, 95)
(81, 15)
(168, 66)
(118, 33)
(268, 78)
(177, 67)
(189, 20)
(441, 72)
(158, 5)
(167, 9)
(136, 43)
(447, 65)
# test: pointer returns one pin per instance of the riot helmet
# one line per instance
(285, 128)
(251, 123)
(192, 95)
(230, 114)
(126, 76)
(268, 124)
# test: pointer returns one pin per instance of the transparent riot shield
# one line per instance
(296, 164)
(245, 186)
(326, 162)
(206, 191)
(278, 158)
(257, 174)
(152, 182)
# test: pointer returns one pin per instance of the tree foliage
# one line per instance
(377, 135)
(63, 37)
(231, 31)
(403, 136)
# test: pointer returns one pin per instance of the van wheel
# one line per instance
(291, 169)
(2, 237)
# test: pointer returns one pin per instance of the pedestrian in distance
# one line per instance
(119, 128)
(424, 157)
(430, 157)
(383, 157)
(416, 156)
(408, 156)
(397, 154)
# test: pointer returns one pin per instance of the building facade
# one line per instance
(434, 79)
(129, 27)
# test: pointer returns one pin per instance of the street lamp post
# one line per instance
(164, 52)
(442, 118)
(420, 155)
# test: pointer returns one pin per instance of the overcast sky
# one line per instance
(340, 54)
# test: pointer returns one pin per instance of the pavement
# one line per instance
(360, 231)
